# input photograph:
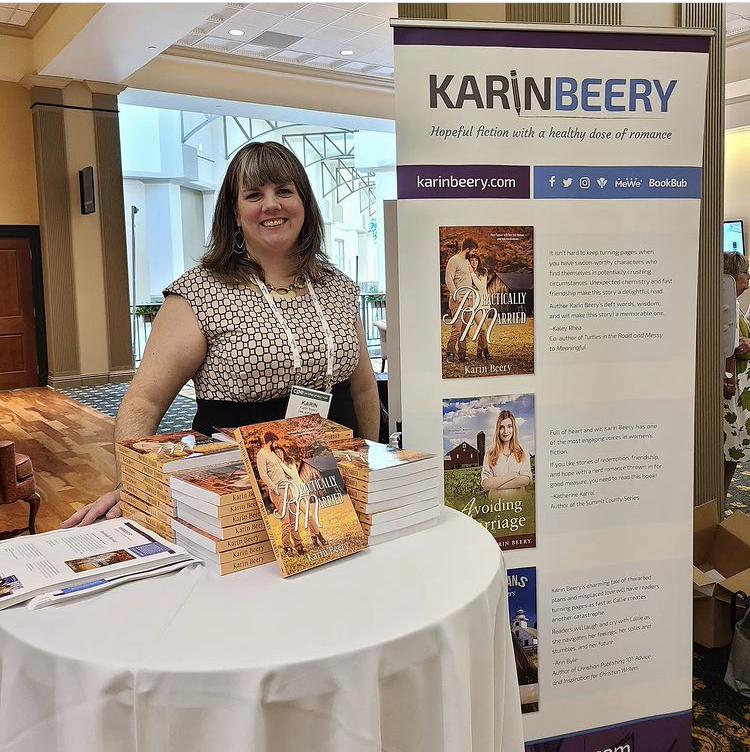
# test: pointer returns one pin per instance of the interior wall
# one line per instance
(737, 186)
(18, 197)
(86, 235)
(737, 176)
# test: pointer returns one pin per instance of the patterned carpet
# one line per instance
(721, 718)
(107, 397)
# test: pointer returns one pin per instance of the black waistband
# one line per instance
(215, 414)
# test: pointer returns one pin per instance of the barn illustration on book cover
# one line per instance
(486, 301)
(306, 509)
(489, 464)
(523, 628)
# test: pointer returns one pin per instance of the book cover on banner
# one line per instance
(486, 301)
(522, 609)
(489, 464)
(307, 511)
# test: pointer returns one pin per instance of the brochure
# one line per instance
(78, 559)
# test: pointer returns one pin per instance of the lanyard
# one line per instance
(296, 356)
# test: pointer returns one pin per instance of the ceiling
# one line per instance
(310, 34)
(17, 14)
(738, 19)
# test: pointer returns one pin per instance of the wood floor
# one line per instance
(70, 446)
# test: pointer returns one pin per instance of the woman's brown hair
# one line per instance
(254, 165)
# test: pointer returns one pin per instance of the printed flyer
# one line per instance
(487, 301)
(488, 445)
(549, 184)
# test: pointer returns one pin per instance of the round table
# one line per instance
(404, 647)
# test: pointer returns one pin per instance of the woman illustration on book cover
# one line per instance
(507, 466)
(479, 283)
(289, 466)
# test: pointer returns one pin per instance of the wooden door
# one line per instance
(18, 363)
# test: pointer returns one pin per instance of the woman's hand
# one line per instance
(106, 506)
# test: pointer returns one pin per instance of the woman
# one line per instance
(263, 311)
(479, 282)
(737, 404)
(507, 466)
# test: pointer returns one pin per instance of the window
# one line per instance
(338, 254)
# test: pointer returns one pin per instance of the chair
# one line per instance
(17, 483)
(381, 327)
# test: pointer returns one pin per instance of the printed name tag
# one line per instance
(304, 401)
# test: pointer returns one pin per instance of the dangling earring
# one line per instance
(239, 243)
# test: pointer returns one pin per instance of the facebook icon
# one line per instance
(551, 181)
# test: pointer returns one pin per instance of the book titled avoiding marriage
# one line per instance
(305, 507)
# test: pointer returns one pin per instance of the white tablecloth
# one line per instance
(403, 648)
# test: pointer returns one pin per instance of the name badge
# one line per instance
(304, 401)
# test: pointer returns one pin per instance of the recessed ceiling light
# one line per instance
(151, 47)
(236, 32)
(346, 52)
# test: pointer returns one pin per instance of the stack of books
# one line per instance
(217, 517)
(145, 467)
(395, 492)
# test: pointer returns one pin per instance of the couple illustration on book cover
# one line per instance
(464, 273)
(279, 472)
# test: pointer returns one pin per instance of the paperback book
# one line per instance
(487, 301)
(374, 466)
(188, 533)
(377, 539)
(220, 485)
(522, 608)
(148, 521)
(306, 509)
(378, 527)
(489, 464)
(332, 431)
(251, 522)
(169, 452)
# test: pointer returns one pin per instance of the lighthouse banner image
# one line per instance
(549, 182)
(487, 301)
(523, 628)
(488, 459)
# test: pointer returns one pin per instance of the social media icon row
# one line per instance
(583, 182)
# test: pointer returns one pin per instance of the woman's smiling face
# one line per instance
(271, 217)
(505, 430)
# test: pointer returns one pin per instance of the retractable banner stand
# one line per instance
(549, 184)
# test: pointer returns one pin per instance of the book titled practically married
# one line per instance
(303, 501)
(486, 301)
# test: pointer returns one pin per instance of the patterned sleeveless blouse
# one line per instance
(248, 357)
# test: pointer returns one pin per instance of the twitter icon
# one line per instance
(567, 182)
